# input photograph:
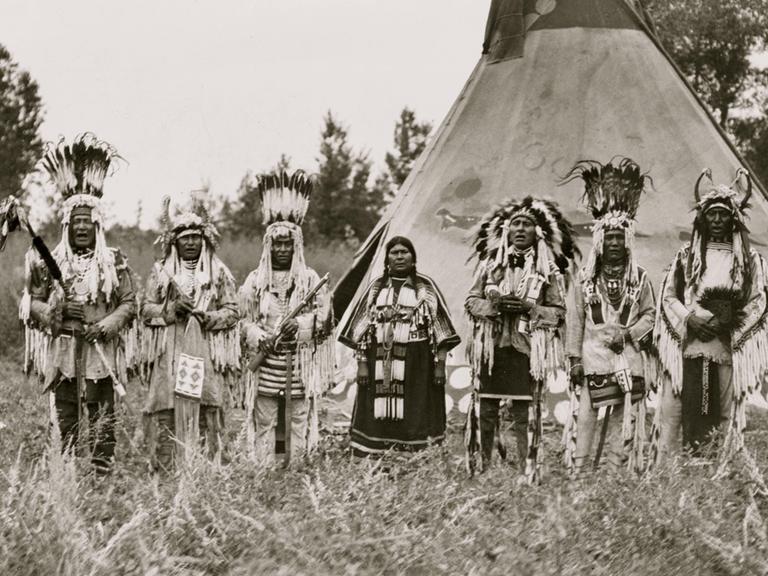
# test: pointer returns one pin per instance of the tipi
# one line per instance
(559, 81)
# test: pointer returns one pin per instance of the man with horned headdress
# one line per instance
(710, 326)
(290, 354)
(517, 306)
(80, 330)
(191, 344)
(609, 323)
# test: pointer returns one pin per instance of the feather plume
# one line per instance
(613, 187)
(285, 198)
(196, 216)
(9, 218)
(80, 167)
(555, 230)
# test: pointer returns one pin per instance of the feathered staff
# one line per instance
(13, 217)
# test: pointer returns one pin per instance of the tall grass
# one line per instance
(417, 514)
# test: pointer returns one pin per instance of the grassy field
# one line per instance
(417, 515)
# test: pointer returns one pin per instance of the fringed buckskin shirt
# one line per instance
(216, 297)
(263, 310)
(745, 345)
(547, 313)
(51, 340)
(592, 323)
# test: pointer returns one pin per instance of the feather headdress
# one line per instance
(78, 171)
(612, 194)
(554, 233)
(610, 188)
(284, 197)
(726, 198)
(284, 204)
(193, 219)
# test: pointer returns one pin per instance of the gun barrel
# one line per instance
(257, 356)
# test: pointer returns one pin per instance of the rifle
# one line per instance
(258, 356)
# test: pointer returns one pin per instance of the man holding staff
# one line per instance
(80, 330)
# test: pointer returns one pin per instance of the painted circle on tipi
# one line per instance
(461, 378)
(558, 384)
(561, 411)
(652, 400)
(448, 404)
(464, 403)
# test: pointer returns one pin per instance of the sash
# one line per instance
(394, 322)
(700, 399)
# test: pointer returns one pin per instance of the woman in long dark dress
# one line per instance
(401, 331)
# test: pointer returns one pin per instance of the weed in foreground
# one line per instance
(410, 514)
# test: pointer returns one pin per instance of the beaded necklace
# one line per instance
(614, 280)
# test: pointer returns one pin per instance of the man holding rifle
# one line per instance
(286, 324)
(79, 308)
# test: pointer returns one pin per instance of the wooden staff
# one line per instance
(288, 405)
(603, 434)
(534, 434)
(82, 414)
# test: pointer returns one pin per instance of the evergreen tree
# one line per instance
(712, 43)
(752, 138)
(343, 199)
(410, 138)
(21, 113)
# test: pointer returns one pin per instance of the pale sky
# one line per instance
(196, 90)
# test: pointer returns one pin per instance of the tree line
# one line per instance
(348, 199)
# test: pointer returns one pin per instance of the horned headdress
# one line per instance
(612, 194)
(726, 198)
